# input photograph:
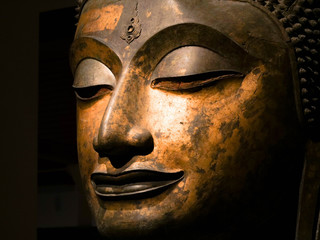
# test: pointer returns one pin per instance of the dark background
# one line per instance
(28, 142)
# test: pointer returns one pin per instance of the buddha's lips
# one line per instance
(133, 183)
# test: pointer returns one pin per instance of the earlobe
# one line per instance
(308, 224)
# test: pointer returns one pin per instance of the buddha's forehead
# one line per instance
(108, 21)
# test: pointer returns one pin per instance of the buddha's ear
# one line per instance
(308, 218)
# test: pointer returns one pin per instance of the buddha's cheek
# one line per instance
(89, 116)
(201, 133)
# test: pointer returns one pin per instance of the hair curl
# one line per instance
(301, 21)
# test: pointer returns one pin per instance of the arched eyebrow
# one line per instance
(88, 47)
(189, 34)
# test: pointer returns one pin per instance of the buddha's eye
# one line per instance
(191, 68)
(93, 79)
(88, 93)
(195, 81)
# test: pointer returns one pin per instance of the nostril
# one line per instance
(120, 147)
(140, 138)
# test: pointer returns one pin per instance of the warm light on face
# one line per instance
(187, 122)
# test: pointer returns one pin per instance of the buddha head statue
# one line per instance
(193, 115)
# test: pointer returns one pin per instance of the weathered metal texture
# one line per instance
(133, 28)
(199, 136)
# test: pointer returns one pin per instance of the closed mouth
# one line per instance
(134, 183)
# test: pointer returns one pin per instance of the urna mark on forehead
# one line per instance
(240, 21)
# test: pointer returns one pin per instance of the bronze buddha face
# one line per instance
(186, 117)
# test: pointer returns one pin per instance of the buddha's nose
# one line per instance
(121, 135)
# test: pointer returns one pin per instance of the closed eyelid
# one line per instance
(91, 72)
(194, 81)
(202, 76)
(92, 79)
(191, 60)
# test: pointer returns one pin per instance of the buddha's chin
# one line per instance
(128, 224)
(142, 224)
(128, 232)
(131, 228)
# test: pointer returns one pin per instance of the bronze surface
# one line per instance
(188, 129)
